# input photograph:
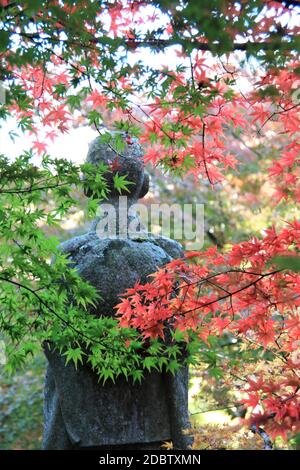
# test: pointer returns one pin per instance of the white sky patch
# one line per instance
(72, 146)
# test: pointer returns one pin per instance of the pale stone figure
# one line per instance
(79, 411)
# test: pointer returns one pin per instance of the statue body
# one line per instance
(79, 411)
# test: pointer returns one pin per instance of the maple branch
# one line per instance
(267, 441)
(57, 315)
(31, 189)
(230, 294)
(95, 122)
(159, 43)
(43, 303)
(209, 410)
(43, 82)
(275, 113)
(203, 153)
(228, 271)
(247, 46)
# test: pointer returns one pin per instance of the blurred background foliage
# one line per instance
(21, 402)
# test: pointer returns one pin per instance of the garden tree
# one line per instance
(57, 57)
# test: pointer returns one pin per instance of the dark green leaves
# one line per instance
(121, 184)
(74, 355)
(291, 263)
(4, 40)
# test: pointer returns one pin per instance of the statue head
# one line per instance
(127, 163)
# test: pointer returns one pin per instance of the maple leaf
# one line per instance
(167, 445)
(51, 135)
(97, 99)
(266, 333)
(156, 331)
(41, 147)
(58, 114)
(115, 166)
(260, 114)
(152, 156)
(221, 323)
(124, 307)
(252, 400)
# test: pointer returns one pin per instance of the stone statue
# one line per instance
(79, 411)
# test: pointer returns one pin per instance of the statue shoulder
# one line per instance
(171, 247)
(77, 246)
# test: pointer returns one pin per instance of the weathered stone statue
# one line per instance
(79, 411)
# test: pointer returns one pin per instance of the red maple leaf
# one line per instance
(41, 147)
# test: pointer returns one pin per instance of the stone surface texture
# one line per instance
(79, 411)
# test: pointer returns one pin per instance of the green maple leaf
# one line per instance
(120, 183)
(74, 355)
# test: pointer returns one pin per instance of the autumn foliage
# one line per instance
(241, 292)
(77, 73)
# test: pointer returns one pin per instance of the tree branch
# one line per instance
(267, 441)
(247, 46)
